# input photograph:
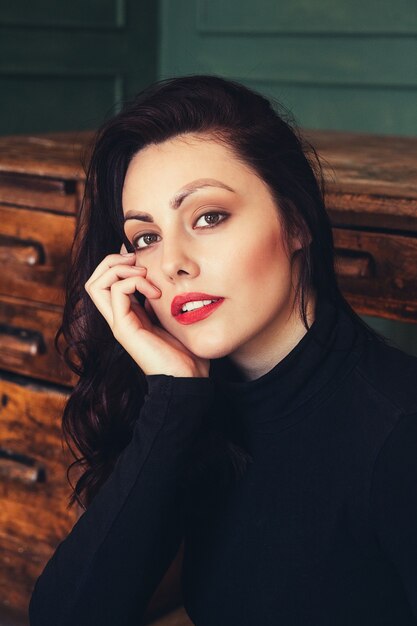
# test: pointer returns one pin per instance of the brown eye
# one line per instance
(213, 222)
(146, 237)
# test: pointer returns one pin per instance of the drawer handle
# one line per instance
(21, 341)
(38, 184)
(20, 468)
(352, 264)
(18, 251)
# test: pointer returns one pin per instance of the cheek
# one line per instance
(266, 279)
(264, 260)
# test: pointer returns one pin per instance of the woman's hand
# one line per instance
(111, 287)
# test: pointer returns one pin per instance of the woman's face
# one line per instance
(225, 240)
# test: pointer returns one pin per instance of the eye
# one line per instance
(215, 213)
(135, 240)
(147, 236)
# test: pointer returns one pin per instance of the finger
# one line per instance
(121, 290)
(110, 261)
(123, 249)
(99, 290)
(139, 311)
(113, 274)
(151, 313)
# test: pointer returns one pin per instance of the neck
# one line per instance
(261, 354)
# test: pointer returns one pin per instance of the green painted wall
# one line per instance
(336, 64)
(345, 65)
(65, 65)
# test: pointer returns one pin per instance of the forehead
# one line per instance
(192, 166)
(169, 165)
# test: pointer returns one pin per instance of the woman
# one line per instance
(265, 423)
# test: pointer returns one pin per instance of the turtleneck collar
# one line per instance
(326, 350)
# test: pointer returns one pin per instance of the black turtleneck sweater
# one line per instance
(320, 529)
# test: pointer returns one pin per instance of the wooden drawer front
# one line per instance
(378, 272)
(34, 253)
(21, 561)
(27, 333)
(33, 486)
(39, 191)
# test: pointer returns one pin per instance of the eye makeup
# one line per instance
(222, 214)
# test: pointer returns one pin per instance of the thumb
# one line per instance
(151, 313)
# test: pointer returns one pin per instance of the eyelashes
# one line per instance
(222, 214)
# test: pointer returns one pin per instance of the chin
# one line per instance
(200, 343)
(209, 349)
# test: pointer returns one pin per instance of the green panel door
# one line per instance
(336, 64)
(66, 65)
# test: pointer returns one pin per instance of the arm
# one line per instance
(107, 568)
(394, 502)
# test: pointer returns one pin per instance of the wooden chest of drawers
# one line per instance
(372, 201)
(37, 220)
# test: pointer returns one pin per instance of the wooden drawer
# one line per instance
(33, 464)
(21, 561)
(27, 333)
(377, 272)
(34, 253)
(43, 192)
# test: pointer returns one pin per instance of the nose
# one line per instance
(177, 259)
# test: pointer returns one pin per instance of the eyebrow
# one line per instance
(177, 200)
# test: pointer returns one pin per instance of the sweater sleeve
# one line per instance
(394, 502)
(105, 571)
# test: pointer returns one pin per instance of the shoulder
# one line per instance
(390, 374)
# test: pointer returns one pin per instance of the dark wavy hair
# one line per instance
(101, 411)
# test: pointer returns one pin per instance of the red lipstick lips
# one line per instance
(200, 313)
